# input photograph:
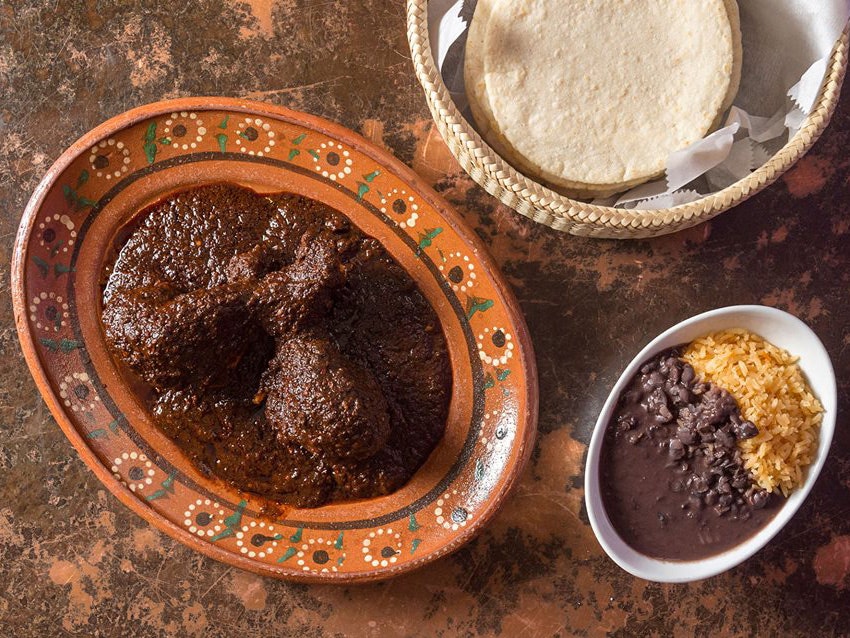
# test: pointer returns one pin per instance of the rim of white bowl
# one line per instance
(783, 330)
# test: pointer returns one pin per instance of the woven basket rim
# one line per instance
(544, 205)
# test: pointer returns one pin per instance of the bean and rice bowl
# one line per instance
(772, 392)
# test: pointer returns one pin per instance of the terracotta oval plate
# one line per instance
(74, 219)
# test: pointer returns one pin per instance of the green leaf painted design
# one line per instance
(165, 141)
(103, 433)
(371, 176)
(338, 542)
(242, 135)
(61, 269)
(223, 124)
(314, 153)
(222, 534)
(296, 537)
(234, 519)
(166, 489)
(43, 266)
(67, 345)
(427, 238)
(150, 142)
(489, 381)
(501, 375)
(222, 141)
(168, 483)
(479, 470)
(289, 553)
(340, 560)
(413, 525)
(71, 195)
(477, 304)
(414, 545)
(64, 345)
(294, 153)
(231, 522)
(362, 189)
(299, 139)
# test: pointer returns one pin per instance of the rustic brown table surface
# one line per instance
(74, 561)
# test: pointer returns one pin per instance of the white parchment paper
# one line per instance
(787, 44)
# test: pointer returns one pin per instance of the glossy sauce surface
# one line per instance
(283, 350)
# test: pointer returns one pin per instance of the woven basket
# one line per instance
(543, 205)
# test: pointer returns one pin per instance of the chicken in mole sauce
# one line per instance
(285, 351)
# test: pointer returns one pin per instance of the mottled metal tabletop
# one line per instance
(75, 561)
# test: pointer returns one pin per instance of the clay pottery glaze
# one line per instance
(71, 227)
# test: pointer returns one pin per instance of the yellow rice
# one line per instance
(772, 392)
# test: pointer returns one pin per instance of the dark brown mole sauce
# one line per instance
(671, 476)
(279, 347)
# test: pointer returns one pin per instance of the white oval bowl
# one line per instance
(781, 329)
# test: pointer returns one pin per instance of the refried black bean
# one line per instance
(672, 477)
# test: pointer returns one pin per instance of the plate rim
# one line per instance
(384, 158)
